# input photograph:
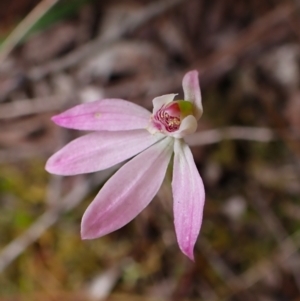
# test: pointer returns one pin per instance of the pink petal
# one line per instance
(191, 89)
(106, 114)
(189, 196)
(159, 101)
(128, 192)
(99, 150)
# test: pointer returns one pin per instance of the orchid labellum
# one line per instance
(123, 130)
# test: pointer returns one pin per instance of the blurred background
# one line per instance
(56, 54)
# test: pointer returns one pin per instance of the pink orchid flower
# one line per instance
(123, 130)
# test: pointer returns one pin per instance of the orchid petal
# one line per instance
(188, 195)
(104, 115)
(188, 126)
(99, 150)
(128, 192)
(191, 89)
(160, 101)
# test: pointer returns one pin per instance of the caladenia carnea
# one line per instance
(123, 130)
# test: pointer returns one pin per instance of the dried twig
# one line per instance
(19, 245)
(23, 28)
(232, 281)
(78, 193)
(286, 249)
(273, 224)
(231, 133)
(225, 58)
(25, 107)
(199, 138)
(149, 12)
(220, 62)
(20, 154)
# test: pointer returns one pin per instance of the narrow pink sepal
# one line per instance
(128, 192)
(104, 115)
(99, 150)
(191, 89)
(189, 197)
